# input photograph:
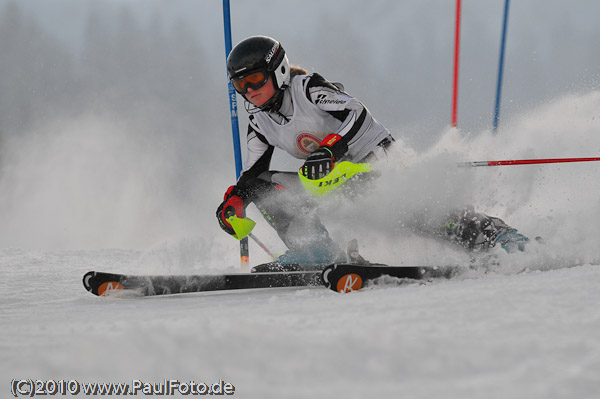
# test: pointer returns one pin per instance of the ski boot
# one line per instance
(478, 232)
(309, 257)
(353, 256)
(510, 240)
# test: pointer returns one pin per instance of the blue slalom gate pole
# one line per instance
(235, 127)
(500, 69)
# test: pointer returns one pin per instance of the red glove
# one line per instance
(232, 204)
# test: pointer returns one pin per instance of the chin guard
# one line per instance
(342, 172)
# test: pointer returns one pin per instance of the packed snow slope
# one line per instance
(527, 328)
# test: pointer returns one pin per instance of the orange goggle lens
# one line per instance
(255, 81)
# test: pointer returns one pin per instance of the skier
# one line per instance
(313, 119)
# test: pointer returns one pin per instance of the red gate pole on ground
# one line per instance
(525, 161)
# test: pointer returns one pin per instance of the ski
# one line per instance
(347, 277)
(99, 283)
(278, 267)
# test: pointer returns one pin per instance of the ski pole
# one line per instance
(525, 162)
(263, 246)
(242, 228)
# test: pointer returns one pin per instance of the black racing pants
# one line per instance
(288, 208)
(291, 211)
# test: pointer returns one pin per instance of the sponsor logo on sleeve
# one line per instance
(323, 100)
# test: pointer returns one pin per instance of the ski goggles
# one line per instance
(253, 81)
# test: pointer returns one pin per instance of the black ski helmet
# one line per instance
(259, 53)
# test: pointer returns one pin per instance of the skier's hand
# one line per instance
(318, 164)
(232, 204)
(321, 162)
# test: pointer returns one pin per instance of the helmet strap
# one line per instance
(272, 105)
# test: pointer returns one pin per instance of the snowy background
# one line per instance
(115, 149)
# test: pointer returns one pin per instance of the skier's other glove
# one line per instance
(321, 162)
(318, 164)
(232, 204)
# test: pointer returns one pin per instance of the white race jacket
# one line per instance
(311, 109)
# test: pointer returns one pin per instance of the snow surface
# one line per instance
(526, 329)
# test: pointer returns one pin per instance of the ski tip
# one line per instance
(325, 276)
(86, 281)
(98, 286)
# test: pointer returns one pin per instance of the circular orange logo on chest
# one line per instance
(307, 142)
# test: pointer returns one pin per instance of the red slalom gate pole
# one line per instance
(456, 58)
(525, 161)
